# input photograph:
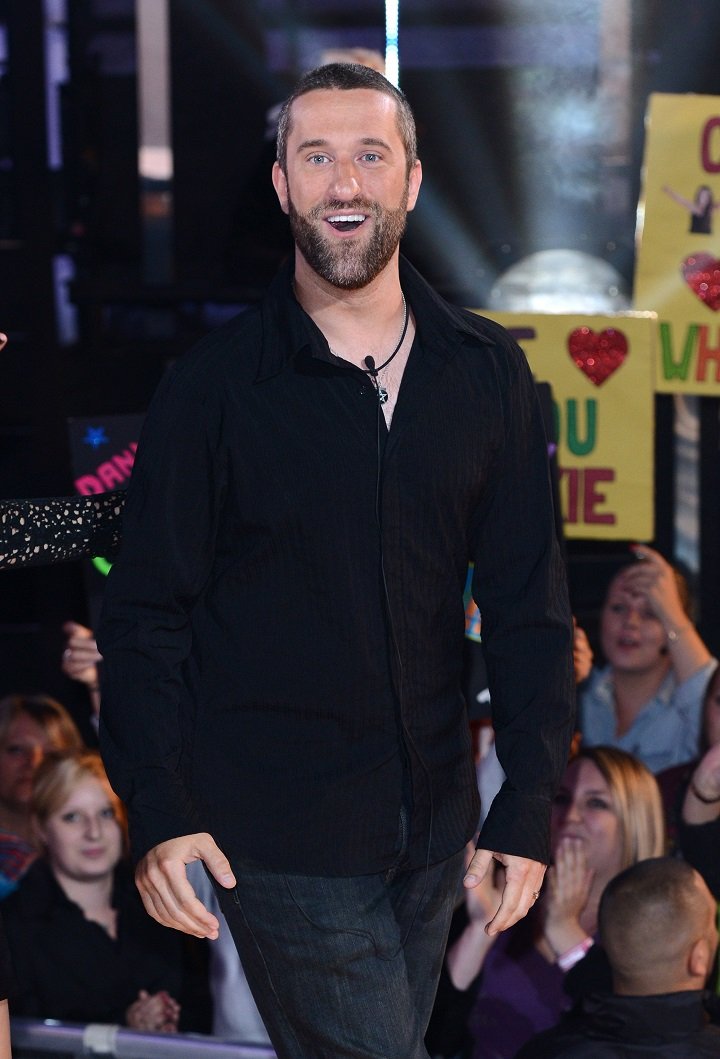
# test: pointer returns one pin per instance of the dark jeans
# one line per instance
(344, 967)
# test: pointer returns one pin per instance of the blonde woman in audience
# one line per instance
(607, 815)
(83, 948)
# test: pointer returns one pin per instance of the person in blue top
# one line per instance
(648, 698)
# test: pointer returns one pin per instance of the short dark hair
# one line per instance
(346, 76)
(651, 892)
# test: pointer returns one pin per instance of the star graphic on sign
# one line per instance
(95, 437)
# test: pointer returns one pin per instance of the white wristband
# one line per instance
(568, 959)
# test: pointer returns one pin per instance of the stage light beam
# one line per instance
(392, 53)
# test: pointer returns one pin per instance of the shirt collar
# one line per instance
(603, 688)
(287, 328)
(647, 1017)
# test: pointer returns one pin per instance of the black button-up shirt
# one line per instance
(283, 630)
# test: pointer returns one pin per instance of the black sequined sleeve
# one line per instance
(58, 529)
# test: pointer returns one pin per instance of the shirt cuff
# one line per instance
(518, 824)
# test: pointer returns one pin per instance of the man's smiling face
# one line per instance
(346, 189)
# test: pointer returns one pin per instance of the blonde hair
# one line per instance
(60, 774)
(53, 718)
(636, 799)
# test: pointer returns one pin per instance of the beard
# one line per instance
(349, 263)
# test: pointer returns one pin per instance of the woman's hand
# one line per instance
(81, 656)
(654, 579)
(582, 654)
(80, 660)
(153, 1013)
(568, 888)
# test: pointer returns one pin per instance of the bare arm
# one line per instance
(702, 798)
(680, 199)
(80, 660)
(465, 958)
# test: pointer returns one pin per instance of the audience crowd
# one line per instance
(617, 958)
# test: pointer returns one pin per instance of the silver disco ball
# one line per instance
(560, 281)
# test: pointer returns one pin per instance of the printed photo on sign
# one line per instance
(678, 265)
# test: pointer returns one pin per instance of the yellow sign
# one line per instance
(600, 371)
(678, 265)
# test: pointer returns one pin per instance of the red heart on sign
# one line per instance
(597, 355)
(702, 275)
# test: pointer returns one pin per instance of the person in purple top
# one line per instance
(607, 815)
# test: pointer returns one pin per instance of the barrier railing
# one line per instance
(35, 1037)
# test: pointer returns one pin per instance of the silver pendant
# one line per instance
(382, 395)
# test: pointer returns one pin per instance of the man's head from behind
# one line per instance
(658, 927)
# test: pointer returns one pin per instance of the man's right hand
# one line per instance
(166, 893)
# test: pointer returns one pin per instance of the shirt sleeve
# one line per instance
(145, 633)
(520, 587)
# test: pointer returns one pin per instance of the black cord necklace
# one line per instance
(370, 368)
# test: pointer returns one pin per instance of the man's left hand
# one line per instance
(523, 879)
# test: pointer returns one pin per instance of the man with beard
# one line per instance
(283, 631)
